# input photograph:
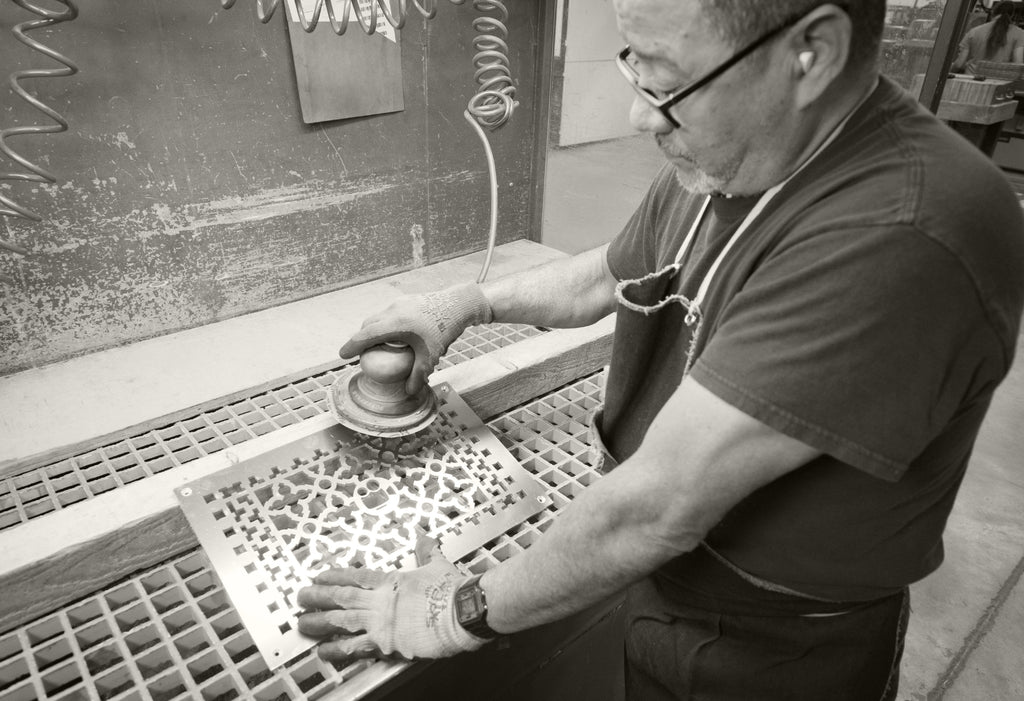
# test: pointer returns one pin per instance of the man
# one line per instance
(801, 364)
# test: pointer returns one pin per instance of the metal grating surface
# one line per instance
(170, 633)
(339, 498)
(74, 478)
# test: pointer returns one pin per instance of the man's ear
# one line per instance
(820, 50)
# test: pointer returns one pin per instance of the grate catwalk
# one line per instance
(170, 632)
(74, 478)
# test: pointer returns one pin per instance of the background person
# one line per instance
(998, 40)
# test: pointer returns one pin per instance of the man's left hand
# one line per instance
(366, 613)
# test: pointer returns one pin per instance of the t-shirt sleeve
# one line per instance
(634, 251)
(832, 333)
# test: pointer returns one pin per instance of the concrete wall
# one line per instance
(190, 190)
(595, 99)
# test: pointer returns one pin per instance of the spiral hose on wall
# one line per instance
(494, 101)
(46, 18)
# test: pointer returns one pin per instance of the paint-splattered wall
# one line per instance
(190, 190)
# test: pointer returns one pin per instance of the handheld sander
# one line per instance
(371, 398)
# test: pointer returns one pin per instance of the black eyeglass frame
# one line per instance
(664, 105)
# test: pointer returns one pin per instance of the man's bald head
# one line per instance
(741, 21)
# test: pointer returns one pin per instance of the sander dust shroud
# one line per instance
(371, 398)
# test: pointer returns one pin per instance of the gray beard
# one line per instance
(700, 183)
(695, 180)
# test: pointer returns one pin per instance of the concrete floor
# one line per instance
(591, 190)
(966, 635)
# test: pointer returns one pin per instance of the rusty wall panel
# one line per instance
(190, 190)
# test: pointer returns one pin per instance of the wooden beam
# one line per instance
(510, 376)
(58, 558)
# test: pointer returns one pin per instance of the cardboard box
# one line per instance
(970, 90)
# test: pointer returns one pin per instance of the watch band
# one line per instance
(471, 609)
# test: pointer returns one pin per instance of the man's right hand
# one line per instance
(428, 323)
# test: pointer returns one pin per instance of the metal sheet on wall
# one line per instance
(353, 75)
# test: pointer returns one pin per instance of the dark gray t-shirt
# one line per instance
(869, 312)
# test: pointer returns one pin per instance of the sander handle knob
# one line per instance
(388, 363)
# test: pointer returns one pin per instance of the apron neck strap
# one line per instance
(755, 212)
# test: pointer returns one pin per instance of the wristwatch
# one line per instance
(471, 609)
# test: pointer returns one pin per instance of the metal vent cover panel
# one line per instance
(341, 498)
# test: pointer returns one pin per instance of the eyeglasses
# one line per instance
(627, 61)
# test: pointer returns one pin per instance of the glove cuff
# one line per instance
(473, 303)
(453, 310)
(465, 305)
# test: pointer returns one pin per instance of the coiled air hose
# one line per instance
(36, 173)
(494, 101)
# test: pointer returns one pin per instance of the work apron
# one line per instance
(646, 307)
(634, 350)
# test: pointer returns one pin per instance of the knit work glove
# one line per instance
(366, 613)
(428, 323)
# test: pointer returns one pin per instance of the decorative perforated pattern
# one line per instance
(74, 478)
(171, 633)
(341, 498)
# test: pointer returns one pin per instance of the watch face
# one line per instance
(468, 604)
(471, 609)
